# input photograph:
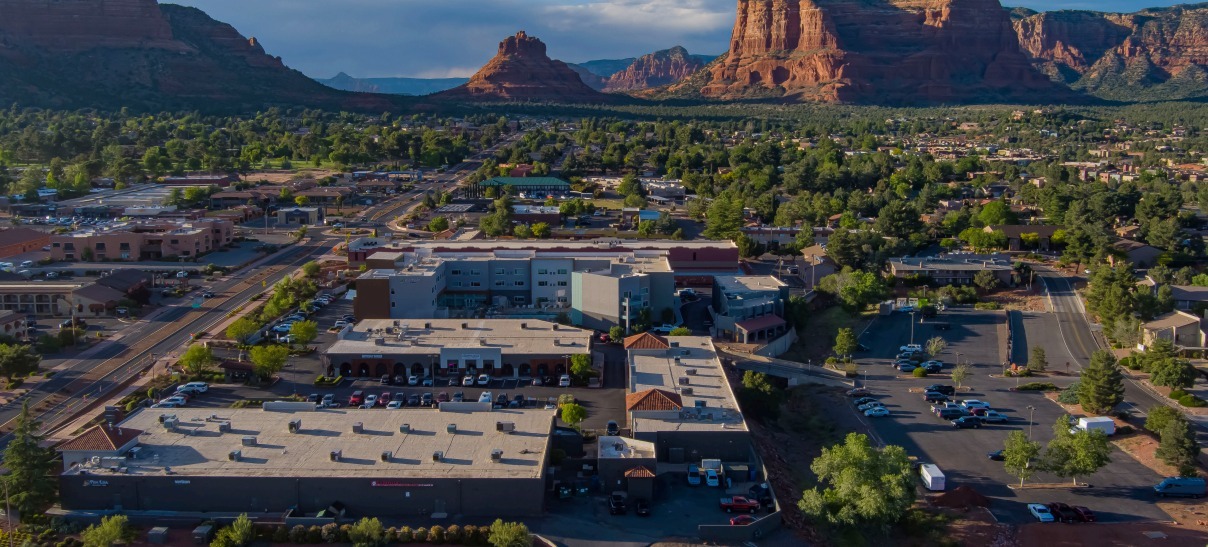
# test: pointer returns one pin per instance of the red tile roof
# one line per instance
(653, 399)
(646, 340)
(639, 472)
(101, 438)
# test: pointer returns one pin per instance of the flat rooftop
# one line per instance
(429, 336)
(196, 446)
(735, 284)
(625, 448)
(633, 266)
(706, 385)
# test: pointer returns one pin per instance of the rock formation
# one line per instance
(1161, 53)
(656, 69)
(883, 51)
(521, 71)
(139, 54)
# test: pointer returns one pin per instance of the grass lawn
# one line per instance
(818, 337)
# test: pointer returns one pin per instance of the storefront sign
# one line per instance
(371, 357)
(182, 481)
(396, 484)
(93, 482)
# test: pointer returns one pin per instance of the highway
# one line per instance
(60, 399)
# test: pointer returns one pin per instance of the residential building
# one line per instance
(15, 241)
(143, 240)
(1016, 234)
(296, 460)
(1188, 297)
(1136, 253)
(1179, 327)
(954, 269)
(773, 237)
(749, 308)
(59, 298)
(443, 348)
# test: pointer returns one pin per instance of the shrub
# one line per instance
(436, 534)
(1069, 395)
(850, 370)
(986, 306)
(1131, 362)
(1192, 401)
(1037, 386)
(453, 534)
(420, 535)
(314, 534)
(920, 372)
(297, 534)
(1177, 394)
(345, 532)
(331, 533)
(391, 535)
(471, 535)
(406, 534)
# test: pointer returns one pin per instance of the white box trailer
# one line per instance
(1098, 423)
(933, 478)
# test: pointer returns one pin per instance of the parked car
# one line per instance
(413, 380)
(564, 380)
(468, 380)
(867, 406)
(935, 397)
(951, 413)
(486, 397)
(616, 504)
(967, 422)
(458, 397)
(712, 478)
(198, 386)
(739, 504)
(693, 475)
(76, 321)
(370, 401)
(395, 404)
(483, 380)
(1084, 514)
(329, 399)
(863, 400)
(877, 412)
(916, 348)
(1041, 512)
(357, 398)
(413, 399)
(665, 328)
(906, 367)
(992, 417)
(641, 508)
(613, 428)
(858, 392)
(933, 367)
(742, 520)
(997, 456)
(941, 388)
(1062, 512)
(442, 397)
(177, 400)
(427, 399)
(970, 404)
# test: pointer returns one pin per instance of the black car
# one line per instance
(413, 400)
(941, 388)
(965, 422)
(858, 392)
(427, 399)
(517, 401)
(1063, 512)
(502, 399)
(79, 323)
(997, 455)
(935, 397)
(613, 429)
(641, 508)
(616, 504)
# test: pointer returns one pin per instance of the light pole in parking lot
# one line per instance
(912, 327)
(1030, 410)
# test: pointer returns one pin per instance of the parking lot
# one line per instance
(1120, 491)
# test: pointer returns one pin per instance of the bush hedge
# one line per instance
(1069, 395)
(920, 372)
(1037, 386)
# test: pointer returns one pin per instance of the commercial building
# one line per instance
(143, 240)
(527, 186)
(749, 308)
(59, 298)
(302, 216)
(444, 348)
(954, 269)
(680, 400)
(588, 280)
(15, 241)
(461, 459)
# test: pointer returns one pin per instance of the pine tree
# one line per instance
(31, 482)
(1102, 385)
(1178, 447)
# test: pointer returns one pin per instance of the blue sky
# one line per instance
(444, 38)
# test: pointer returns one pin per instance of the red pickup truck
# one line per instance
(739, 503)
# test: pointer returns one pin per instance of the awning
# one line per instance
(760, 323)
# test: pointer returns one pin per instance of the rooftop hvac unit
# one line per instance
(405, 428)
(686, 391)
(224, 427)
(249, 440)
(336, 455)
(677, 361)
(690, 372)
(387, 455)
(523, 326)
(295, 426)
(165, 417)
(170, 423)
(497, 454)
(451, 428)
(437, 456)
(396, 323)
(427, 325)
(506, 427)
(465, 325)
(234, 455)
(683, 380)
(358, 427)
(700, 404)
(482, 341)
(674, 344)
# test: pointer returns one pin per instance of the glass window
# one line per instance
(561, 283)
(519, 283)
(541, 271)
(518, 271)
(562, 271)
(475, 284)
(542, 283)
(454, 272)
(498, 271)
(499, 283)
(519, 299)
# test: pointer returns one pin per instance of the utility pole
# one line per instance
(1030, 410)
(911, 327)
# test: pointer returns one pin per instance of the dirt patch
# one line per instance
(1143, 448)
(1105, 535)
(976, 527)
(1191, 514)
(1019, 300)
(281, 177)
(961, 497)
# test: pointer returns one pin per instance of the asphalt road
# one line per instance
(119, 360)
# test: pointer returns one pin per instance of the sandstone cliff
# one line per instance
(1154, 53)
(522, 71)
(139, 54)
(882, 51)
(656, 69)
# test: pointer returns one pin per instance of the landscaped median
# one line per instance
(328, 381)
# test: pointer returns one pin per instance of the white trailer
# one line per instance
(1098, 423)
(933, 478)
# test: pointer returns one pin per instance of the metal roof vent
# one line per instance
(451, 428)
(686, 391)
(234, 455)
(358, 427)
(497, 454)
(437, 456)
(224, 427)
(405, 428)
(295, 426)
(505, 427)
(683, 380)
(690, 372)
(249, 440)
(336, 455)
(387, 455)
(165, 417)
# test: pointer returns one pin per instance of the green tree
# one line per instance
(304, 332)
(1018, 453)
(1077, 453)
(758, 397)
(960, 373)
(986, 280)
(1102, 386)
(995, 213)
(573, 414)
(522, 231)
(1038, 361)
(269, 360)
(1178, 447)
(1173, 373)
(31, 480)
(580, 367)
(110, 531)
(241, 532)
(863, 485)
(18, 360)
(367, 532)
(509, 534)
(723, 219)
(845, 342)
(241, 329)
(1159, 417)
(301, 201)
(311, 269)
(616, 333)
(935, 346)
(197, 359)
(680, 331)
(438, 224)
(541, 230)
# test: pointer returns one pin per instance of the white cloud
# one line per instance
(451, 72)
(630, 16)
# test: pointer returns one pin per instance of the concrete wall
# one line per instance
(594, 300)
(612, 471)
(392, 496)
(373, 299)
(729, 446)
(737, 534)
(779, 346)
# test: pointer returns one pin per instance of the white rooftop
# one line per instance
(429, 336)
(694, 372)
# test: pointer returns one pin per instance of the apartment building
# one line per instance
(143, 240)
(749, 308)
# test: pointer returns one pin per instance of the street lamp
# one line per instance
(1030, 410)
(912, 327)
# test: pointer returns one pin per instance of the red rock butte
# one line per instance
(522, 71)
(78, 25)
(913, 51)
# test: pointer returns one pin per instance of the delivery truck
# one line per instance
(1192, 487)
(933, 478)
(1097, 423)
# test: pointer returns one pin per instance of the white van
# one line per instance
(200, 387)
(933, 478)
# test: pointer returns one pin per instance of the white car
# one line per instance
(413, 380)
(182, 274)
(370, 401)
(486, 397)
(916, 348)
(395, 404)
(869, 406)
(175, 399)
(970, 404)
(286, 339)
(876, 412)
(196, 386)
(467, 381)
(483, 379)
(564, 380)
(1041, 512)
(712, 478)
(27, 264)
(665, 328)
